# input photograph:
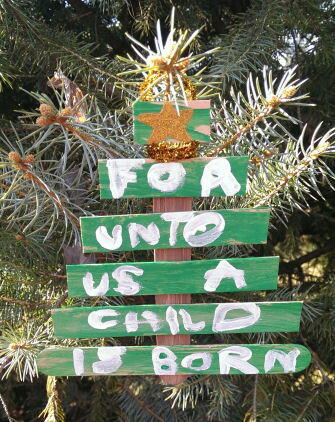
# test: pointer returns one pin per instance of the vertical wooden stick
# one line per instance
(179, 254)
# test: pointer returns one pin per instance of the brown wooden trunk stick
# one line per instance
(178, 254)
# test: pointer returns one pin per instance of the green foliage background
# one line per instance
(291, 170)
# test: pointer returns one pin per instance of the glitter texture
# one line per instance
(154, 78)
(167, 124)
(166, 151)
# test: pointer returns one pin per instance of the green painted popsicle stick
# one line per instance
(140, 178)
(162, 231)
(138, 360)
(147, 320)
(178, 277)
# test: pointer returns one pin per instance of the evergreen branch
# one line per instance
(54, 275)
(242, 116)
(100, 409)
(289, 267)
(307, 161)
(254, 399)
(53, 411)
(25, 303)
(25, 166)
(143, 405)
(283, 170)
(6, 187)
(61, 47)
(84, 61)
(107, 6)
(250, 41)
(19, 348)
(28, 283)
(166, 68)
(184, 385)
(60, 300)
(3, 363)
(5, 408)
(18, 127)
(12, 264)
(85, 137)
(304, 410)
(103, 34)
(316, 358)
(268, 110)
(6, 72)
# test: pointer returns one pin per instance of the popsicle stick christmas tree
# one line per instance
(172, 130)
(169, 319)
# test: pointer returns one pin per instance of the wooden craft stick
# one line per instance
(179, 254)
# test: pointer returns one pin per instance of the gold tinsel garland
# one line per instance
(152, 79)
(165, 150)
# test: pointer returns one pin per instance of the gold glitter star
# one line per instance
(167, 124)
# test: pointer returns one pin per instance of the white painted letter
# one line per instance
(169, 361)
(171, 317)
(218, 173)
(131, 321)
(149, 234)
(189, 359)
(175, 218)
(78, 361)
(152, 319)
(100, 290)
(95, 319)
(126, 284)
(107, 241)
(176, 176)
(199, 223)
(227, 360)
(223, 270)
(119, 174)
(287, 360)
(188, 324)
(221, 324)
(110, 359)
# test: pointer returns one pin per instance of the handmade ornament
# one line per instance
(172, 128)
